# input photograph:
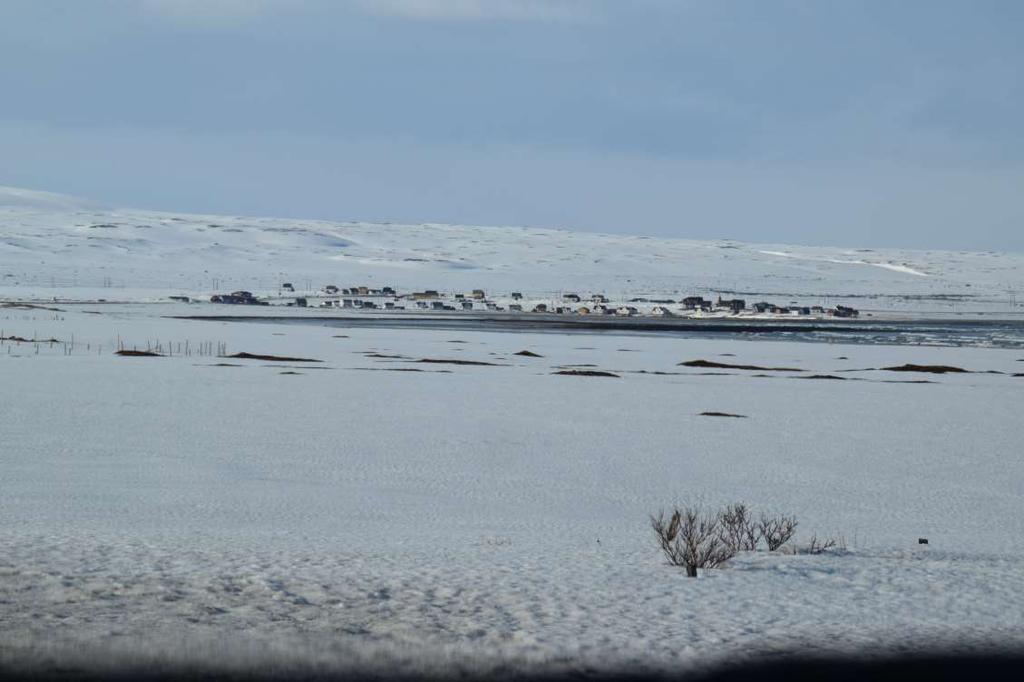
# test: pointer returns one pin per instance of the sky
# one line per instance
(870, 123)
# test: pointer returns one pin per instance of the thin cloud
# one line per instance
(469, 10)
(217, 11)
(232, 11)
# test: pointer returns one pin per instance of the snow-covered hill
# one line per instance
(51, 241)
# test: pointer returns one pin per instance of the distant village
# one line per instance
(386, 298)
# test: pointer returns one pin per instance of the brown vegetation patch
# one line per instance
(459, 362)
(586, 373)
(138, 354)
(403, 369)
(657, 372)
(725, 365)
(907, 381)
(29, 306)
(722, 414)
(21, 339)
(272, 358)
(931, 369)
(528, 354)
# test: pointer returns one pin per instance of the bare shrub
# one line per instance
(691, 537)
(777, 530)
(816, 546)
(739, 530)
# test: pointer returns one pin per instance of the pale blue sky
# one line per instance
(870, 123)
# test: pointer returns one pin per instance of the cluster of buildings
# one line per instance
(386, 298)
(235, 298)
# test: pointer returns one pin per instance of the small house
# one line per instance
(516, 296)
(661, 311)
(515, 308)
(625, 311)
(330, 289)
(479, 294)
(574, 298)
(693, 302)
(467, 305)
(540, 308)
(735, 304)
(844, 311)
(287, 286)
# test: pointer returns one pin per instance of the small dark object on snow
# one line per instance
(722, 414)
(138, 354)
(922, 541)
(528, 354)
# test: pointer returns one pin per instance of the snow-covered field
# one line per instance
(473, 517)
(252, 514)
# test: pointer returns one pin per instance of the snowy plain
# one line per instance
(486, 518)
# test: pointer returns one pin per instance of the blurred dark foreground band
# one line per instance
(934, 668)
